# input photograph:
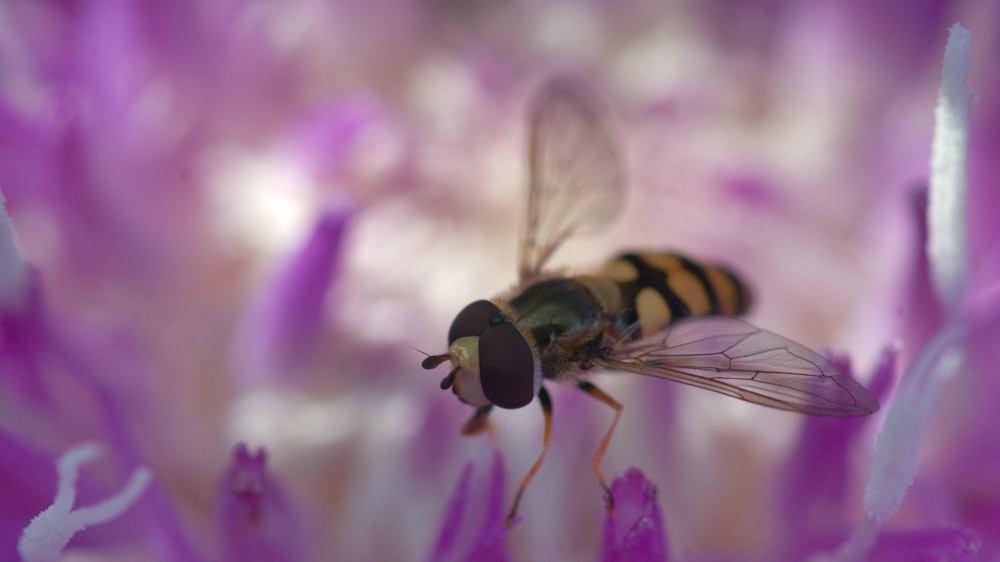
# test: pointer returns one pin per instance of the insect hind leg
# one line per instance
(603, 447)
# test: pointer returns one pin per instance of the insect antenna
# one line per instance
(432, 361)
(449, 379)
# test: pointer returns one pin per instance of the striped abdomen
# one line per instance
(658, 289)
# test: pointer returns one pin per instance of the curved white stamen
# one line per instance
(895, 464)
(947, 237)
(45, 537)
(68, 468)
(898, 445)
(115, 505)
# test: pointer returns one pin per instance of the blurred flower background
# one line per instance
(232, 219)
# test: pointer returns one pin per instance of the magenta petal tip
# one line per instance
(634, 529)
(258, 521)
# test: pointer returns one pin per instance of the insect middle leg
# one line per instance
(546, 403)
(599, 456)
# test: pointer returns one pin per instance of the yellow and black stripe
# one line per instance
(658, 289)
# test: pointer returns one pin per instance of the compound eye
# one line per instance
(473, 320)
(506, 367)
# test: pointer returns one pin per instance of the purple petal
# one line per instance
(966, 490)
(963, 485)
(283, 331)
(905, 34)
(14, 282)
(473, 527)
(430, 453)
(257, 521)
(753, 189)
(814, 486)
(634, 529)
(927, 545)
(355, 141)
(22, 318)
(27, 485)
(24, 343)
(921, 315)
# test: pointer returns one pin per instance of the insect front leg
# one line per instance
(546, 403)
(479, 421)
(599, 456)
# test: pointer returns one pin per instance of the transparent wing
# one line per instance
(575, 182)
(730, 356)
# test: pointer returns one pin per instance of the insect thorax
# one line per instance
(566, 319)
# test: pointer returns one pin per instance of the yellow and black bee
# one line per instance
(656, 314)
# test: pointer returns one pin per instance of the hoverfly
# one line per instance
(656, 314)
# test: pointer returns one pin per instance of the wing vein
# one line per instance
(732, 357)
